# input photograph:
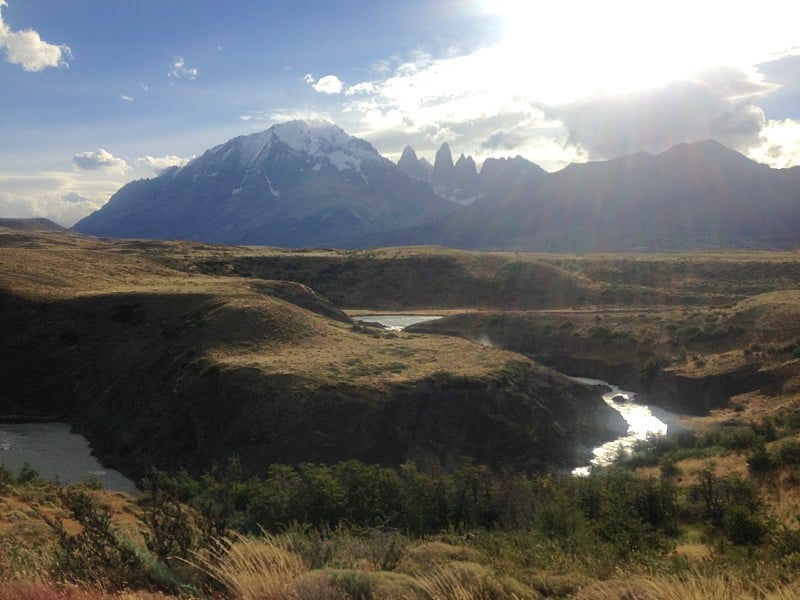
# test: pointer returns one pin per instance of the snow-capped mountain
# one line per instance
(319, 143)
(298, 183)
(301, 184)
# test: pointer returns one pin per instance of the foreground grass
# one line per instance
(573, 539)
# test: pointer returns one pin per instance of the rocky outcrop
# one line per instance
(698, 395)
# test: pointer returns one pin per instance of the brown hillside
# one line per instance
(174, 368)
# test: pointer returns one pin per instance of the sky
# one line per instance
(97, 93)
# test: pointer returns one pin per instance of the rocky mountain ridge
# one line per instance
(296, 184)
(306, 184)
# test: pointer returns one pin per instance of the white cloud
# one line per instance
(260, 118)
(159, 163)
(76, 198)
(716, 105)
(102, 160)
(330, 84)
(780, 144)
(65, 210)
(365, 87)
(126, 97)
(64, 197)
(27, 49)
(179, 70)
(626, 76)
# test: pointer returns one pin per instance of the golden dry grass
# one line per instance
(265, 569)
(50, 591)
(251, 569)
(246, 327)
(338, 353)
(690, 586)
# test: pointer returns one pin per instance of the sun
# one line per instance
(585, 48)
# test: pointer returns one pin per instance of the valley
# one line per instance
(238, 373)
(476, 300)
(160, 365)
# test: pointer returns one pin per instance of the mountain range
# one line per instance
(296, 184)
(301, 184)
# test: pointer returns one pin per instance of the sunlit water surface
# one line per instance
(396, 322)
(643, 421)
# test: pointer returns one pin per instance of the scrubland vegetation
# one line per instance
(354, 530)
(181, 356)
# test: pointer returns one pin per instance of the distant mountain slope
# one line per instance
(692, 196)
(36, 224)
(296, 184)
(305, 184)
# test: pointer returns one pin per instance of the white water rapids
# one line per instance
(642, 423)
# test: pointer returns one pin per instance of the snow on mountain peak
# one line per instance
(307, 136)
(322, 139)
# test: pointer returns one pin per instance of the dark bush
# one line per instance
(789, 452)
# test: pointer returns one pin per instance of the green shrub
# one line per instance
(172, 533)
(654, 366)
(760, 460)
(6, 477)
(97, 554)
(27, 474)
(789, 452)
(743, 526)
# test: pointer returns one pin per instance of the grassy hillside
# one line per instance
(170, 367)
(179, 355)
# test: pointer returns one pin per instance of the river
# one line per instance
(396, 322)
(56, 454)
(643, 420)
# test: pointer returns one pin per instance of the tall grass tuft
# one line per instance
(688, 586)
(470, 581)
(52, 591)
(251, 568)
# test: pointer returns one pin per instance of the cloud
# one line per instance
(504, 140)
(65, 210)
(281, 115)
(330, 84)
(179, 70)
(365, 87)
(75, 198)
(716, 105)
(159, 163)
(126, 97)
(64, 197)
(485, 108)
(626, 76)
(780, 144)
(27, 49)
(102, 160)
